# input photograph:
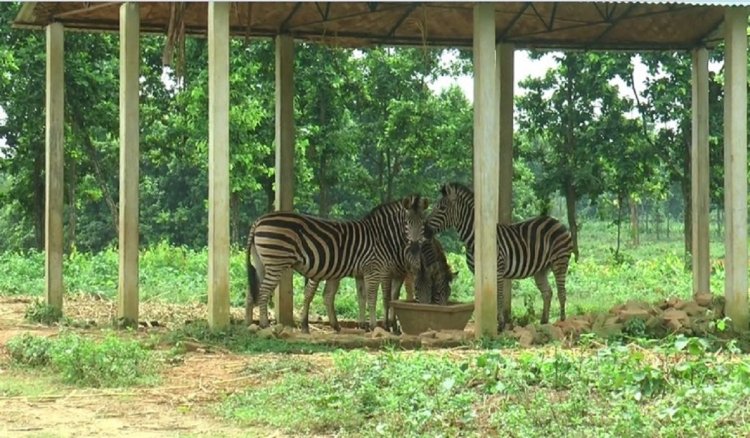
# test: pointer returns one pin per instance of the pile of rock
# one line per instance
(673, 315)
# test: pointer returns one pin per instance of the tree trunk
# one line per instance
(634, 234)
(72, 213)
(99, 173)
(39, 199)
(570, 202)
(619, 223)
(234, 218)
(688, 207)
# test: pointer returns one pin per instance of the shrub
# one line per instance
(111, 362)
(42, 313)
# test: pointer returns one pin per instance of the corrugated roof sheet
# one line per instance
(634, 25)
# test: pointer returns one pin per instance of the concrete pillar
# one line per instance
(218, 164)
(53, 171)
(699, 173)
(486, 163)
(735, 165)
(127, 296)
(284, 160)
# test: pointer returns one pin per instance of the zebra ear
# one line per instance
(425, 203)
(406, 203)
(443, 190)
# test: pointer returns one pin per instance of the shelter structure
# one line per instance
(492, 30)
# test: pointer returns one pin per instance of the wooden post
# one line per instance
(504, 53)
(284, 160)
(53, 181)
(127, 296)
(486, 164)
(735, 165)
(218, 164)
(699, 171)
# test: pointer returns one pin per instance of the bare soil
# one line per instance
(181, 405)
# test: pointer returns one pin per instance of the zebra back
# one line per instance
(523, 248)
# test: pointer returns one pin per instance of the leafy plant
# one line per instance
(111, 362)
(43, 313)
(30, 350)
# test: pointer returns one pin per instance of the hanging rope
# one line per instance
(174, 49)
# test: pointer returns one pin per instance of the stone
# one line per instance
(674, 314)
(286, 333)
(627, 314)
(580, 324)
(380, 332)
(266, 333)
(703, 299)
(253, 328)
(428, 334)
(451, 335)
(554, 332)
(608, 330)
(693, 309)
(674, 324)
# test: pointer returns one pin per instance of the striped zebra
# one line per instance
(322, 249)
(433, 276)
(524, 249)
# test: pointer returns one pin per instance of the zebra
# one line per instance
(524, 249)
(317, 248)
(433, 275)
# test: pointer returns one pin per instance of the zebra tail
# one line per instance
(252, 274)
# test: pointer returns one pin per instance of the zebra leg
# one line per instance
(409, 286)
(270, 281)
(332, 286)
(501, 318)
(385, 288)
(540, 278)
(361, 301)
(372, 283)
(394, 292)
(560, 271)
(310, 288)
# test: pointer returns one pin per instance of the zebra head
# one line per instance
(454, 209)
(414, 228)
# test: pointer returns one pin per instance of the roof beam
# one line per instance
(289, 17)
(552, 16)
(87, 8)
(348, 16)
(513, 21)
(613, 23)
(401, 20)
(539, 16)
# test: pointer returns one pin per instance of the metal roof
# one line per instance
(641, 25)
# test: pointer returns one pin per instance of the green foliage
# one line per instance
(654, 271)
(30, 350)
(110, 362)
(43, 313)
(237, 338)
(614, 390)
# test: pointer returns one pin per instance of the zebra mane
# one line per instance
(383, 208)
(458, 187)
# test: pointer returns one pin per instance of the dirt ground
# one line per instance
(180, 406)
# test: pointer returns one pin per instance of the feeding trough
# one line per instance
(416, 318)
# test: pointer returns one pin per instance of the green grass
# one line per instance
(679, 387)
(27, 383)
(237, 338)
(653, 271)
(110, 362)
